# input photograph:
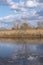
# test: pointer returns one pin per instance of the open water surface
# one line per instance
(21, 52)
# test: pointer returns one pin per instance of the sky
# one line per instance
(10, 10)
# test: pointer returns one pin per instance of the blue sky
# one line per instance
(10, 10)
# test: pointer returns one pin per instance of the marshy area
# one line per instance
(21, 47)
(28, 33)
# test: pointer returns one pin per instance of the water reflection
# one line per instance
(21, 53)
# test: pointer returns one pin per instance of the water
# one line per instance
(21, 52)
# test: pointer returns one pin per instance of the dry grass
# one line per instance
(22, 33)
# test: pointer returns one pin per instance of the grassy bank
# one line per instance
(31, 33)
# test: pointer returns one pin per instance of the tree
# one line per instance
(25, 26)
(40, 24)
(16, 24)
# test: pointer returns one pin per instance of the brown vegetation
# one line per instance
(30, 33)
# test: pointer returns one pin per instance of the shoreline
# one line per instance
(20, 40)
(31, 33)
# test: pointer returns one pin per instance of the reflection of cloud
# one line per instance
(6, 45)
(33, 48)
(32, 58)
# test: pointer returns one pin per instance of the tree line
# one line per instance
(25, 25)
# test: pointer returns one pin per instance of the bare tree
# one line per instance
(25, 26)
(16, 25)
(18, 22)
(40, 24)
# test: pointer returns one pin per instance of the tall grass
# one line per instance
(30, 33)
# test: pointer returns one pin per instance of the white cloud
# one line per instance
(10, 18)
(40, 17)
(3, 25)
(33, 13)
(41, 5)
(31, 3)
(21, 4)
(6, 17)
(12, 4)
(21, 8)
(16, 6)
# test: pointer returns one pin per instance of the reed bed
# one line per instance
(31, 33)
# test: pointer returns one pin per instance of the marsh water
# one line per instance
(21, 52)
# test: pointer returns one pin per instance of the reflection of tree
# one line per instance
(21, 53)
(40, 48)
(25, 52)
